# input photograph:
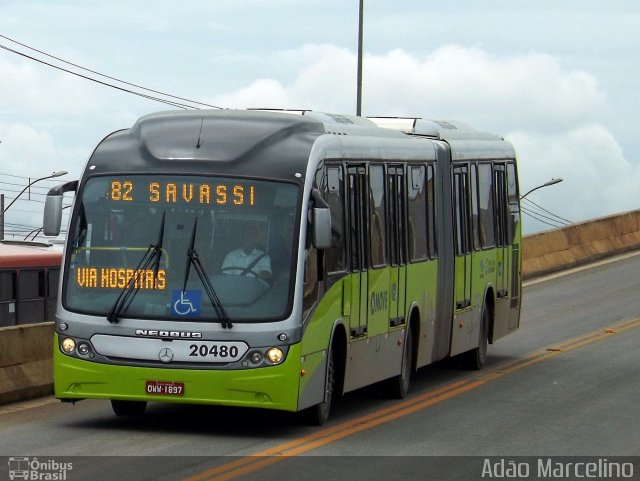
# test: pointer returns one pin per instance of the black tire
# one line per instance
(128, 408)
(398, 386)
(475, 359)
(319, 414)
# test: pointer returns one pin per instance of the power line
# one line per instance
(5, 190)
(20, 199)
(548, 212)
(29, 211)
(150, 97)
(32, 177)
(22, 185)
(27, 177)
(108, 76)
(542, 221)
(539, 219)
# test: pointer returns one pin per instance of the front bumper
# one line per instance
(274, 387)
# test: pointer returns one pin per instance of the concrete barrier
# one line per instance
(26, 353)
(26, 365)
(578, 244)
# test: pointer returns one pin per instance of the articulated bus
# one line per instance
(371, 247)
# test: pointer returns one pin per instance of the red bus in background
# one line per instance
(29, 274)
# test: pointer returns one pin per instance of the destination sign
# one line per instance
(119, 278)
(126, 190)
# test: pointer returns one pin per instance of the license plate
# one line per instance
(165, 388)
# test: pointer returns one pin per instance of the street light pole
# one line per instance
(359, 79)
(546, 184)
(5, 209)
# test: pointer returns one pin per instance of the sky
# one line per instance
(560, 80)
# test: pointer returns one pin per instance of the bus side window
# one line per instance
(462, 214)
(377, 216)
(7, 298)
(431, 212)
(417, 209)
(333, 190)
(31, 294)
(513, 200)
(310, 285)
(475, 208)
(487, 225)
(396, 215)
(502, 206)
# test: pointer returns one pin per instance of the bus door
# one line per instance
(462, 338)
(358, 247)
(503, 253)
(397, 244)
(514, 241)
(463, 238)
(503, 257)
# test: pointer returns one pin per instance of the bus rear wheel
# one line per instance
(128, 408)
(398, 386)
(475, 359)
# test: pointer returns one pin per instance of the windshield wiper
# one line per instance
(128, 293)
(193, 259)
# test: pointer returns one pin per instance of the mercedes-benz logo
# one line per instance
(165, 354)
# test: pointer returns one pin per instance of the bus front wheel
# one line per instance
(319, 414)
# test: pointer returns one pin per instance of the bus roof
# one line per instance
(449, 130)
(195, 141)
(18, 254)
(260, 143)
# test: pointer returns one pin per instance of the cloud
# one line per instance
(27, 154)
(553, 116)
(26, 86)
(325, 75)
(598, 179)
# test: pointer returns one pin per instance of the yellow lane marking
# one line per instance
(322, 437)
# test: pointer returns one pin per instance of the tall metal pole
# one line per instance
(359, 81)
(1, 216)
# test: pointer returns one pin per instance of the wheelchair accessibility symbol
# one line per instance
(186, 303)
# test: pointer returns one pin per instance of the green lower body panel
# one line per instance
(273, 387)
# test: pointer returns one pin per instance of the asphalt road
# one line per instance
(566, 384)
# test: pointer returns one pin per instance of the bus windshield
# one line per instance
(134, 240)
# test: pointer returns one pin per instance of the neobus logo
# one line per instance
(169, 334)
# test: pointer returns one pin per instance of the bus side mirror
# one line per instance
(52, 215)
(320, 221)
(53, 208)
(321, 225)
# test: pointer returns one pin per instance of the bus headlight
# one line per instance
(68, 345)
(274, 355)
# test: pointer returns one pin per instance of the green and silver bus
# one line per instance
(372, 247)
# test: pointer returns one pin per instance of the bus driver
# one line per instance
(248, 260)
